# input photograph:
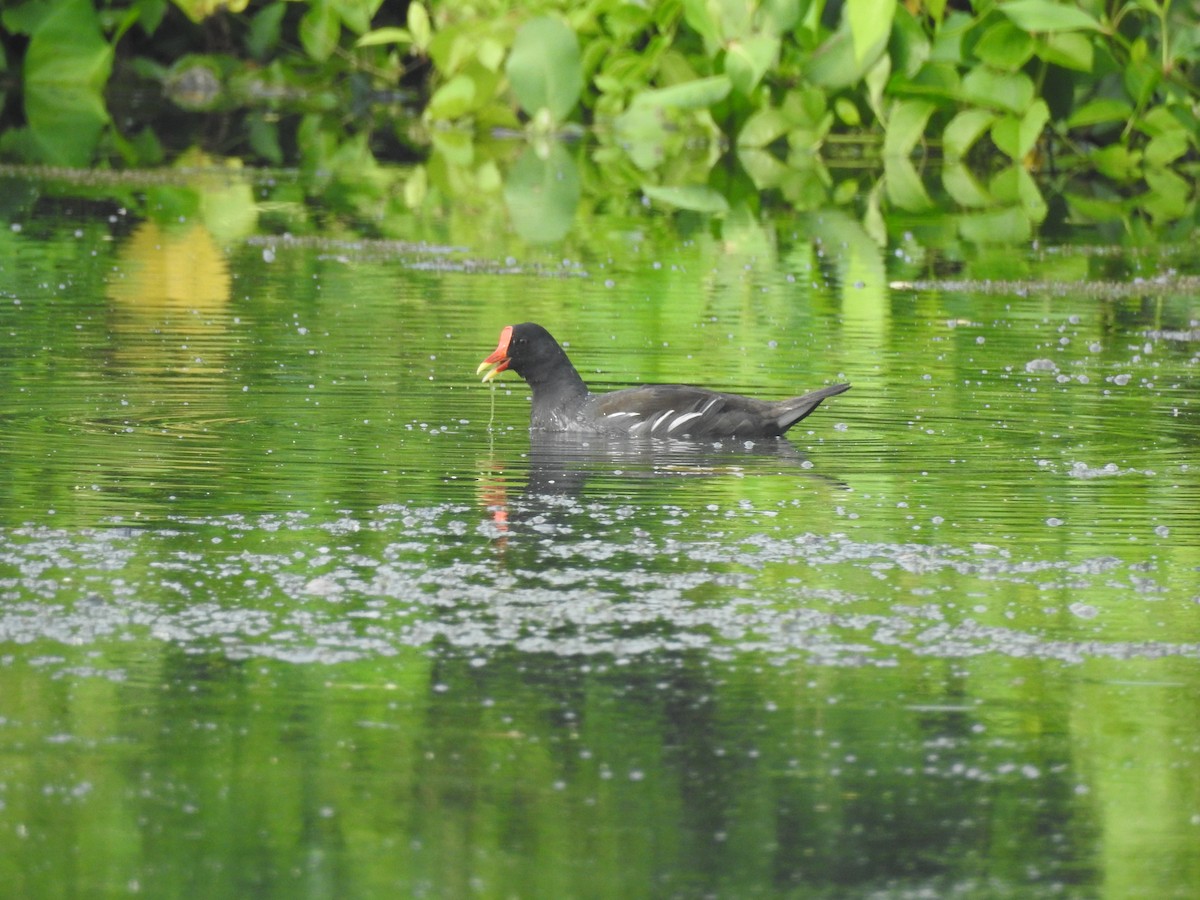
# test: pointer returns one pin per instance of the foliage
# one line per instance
(1036, 85)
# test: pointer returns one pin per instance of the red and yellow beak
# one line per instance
(498, 361)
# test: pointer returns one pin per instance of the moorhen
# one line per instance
(562, 402)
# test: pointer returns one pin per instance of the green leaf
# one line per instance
(1164, 149)
(762, 128)
(26, 18)
(765, 170)
(847, 112)
(698, 94)
(1012, 91)
(833, 64)
(746, 62)
(696, 197)
(1168, 197)
(996, 226)
(962, 186)
(490, 54)
(320, 29)
(1068, 49)
(1046, 15)
(870, 24)
(542, 194)
(1141, 80)
(1005, 47)
(263, 36)
(544, 67)
(355, 14)
(642, 132)
(1094, 209)
(452, 100)
(419, 27)
(1099, 112)
(1030, 131)
(150, 14)
(65, 122)
(67, 50)
(1117, 162)
(1161, 120)
(964, 130)
(904, 186)
(699, 16)
(937, 81)
(779, 16)
(1016, 137)
(905, 126)
(389, 35)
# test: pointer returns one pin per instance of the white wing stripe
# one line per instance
(659, 419)
(683, 420)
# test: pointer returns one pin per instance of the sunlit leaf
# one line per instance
(746, 62)
(906, 126)
(1164, 149)
(960, 183)
(199, 10)
(1094, 209)
(1069, 49)
(66, 49)
(779, 16)
(904, 186)
(1005, 46)
(964, 130)
(764, 169)
(544, 67)
(698, 94)
(1169, 195)
(418, 26)
(1046, 15)
(453, 99)
(870, 24)
(696, 197)
(64, 123)
(1116, 161)
(834, 64)
(1162, 120)
(1014, 185)
(1099, 112)
(1017, 137)
(847, 112)
(385, 36)
(762, 128)
(699, 16)
(1012, 91)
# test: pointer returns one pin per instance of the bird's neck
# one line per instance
(556, 386)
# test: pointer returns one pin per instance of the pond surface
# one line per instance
(290, 604)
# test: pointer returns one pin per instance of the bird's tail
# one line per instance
(787, 413)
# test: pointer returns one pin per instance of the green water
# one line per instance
(291, 605)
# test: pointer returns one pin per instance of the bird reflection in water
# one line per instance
(544, 490)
